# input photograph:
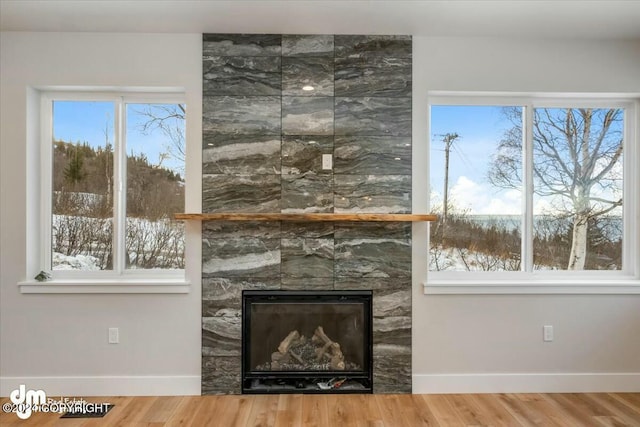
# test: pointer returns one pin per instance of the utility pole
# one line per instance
(448, 139)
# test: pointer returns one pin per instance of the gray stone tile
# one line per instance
(223, 296)
(307, 45)
(372, 155)
(240, 154)
(373, 258)
(307, 115)
(222, 364)
(241, 45)
(391, 369)
(221, 336)
(391, 296)
(252, 115)
(307, 283)
(244, 117)
(240, 193)
(372, 193)
(307, 193)
(301, 154)
(316, 72)
(221, 375)
(364, 46)
(236, 229)
(382, 284)
(392, 302)
(395, 330)
(242, 257)
(373, 116)
(372, 230)
(307, 258)
(381, 76)
(292, 230)
(241, 75)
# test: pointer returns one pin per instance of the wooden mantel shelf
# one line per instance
(305, 217)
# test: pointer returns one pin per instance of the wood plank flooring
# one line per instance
(563, 410)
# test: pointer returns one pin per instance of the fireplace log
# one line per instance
(336, 350)
(321, 351)
(295, 356)
(337, 364)
(279, 357)
(319, 332)
(286, 343)
(337, 358)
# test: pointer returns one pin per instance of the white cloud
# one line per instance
(482, 199)
(473, 198)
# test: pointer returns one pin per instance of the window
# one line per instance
(539, 187)
(113, 176)
(480, 224)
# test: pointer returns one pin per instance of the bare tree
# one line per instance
(169, 119)
(576, 162)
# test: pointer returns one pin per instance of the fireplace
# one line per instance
(307, 342)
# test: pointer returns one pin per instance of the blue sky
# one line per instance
(80, 121)
(480, 129)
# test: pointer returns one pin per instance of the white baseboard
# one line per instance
(526, 383)
(105, 386)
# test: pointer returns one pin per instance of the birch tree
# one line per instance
(577, 165)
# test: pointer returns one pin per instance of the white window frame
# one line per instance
(528, 280)
(119, 279)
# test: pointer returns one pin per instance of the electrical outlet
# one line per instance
(327, 162)
(547, 333)
(114, 337)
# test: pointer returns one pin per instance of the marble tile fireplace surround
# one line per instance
(272, 106)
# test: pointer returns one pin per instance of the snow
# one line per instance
(77, 262)
(149, 244)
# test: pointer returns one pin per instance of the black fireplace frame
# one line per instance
(269, 382)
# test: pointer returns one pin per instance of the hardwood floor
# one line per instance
(564, 410)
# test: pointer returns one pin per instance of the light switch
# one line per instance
(327, 162)
(114, 336)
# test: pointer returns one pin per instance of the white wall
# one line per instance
(66, 335)
(494, 343)
(60, 340)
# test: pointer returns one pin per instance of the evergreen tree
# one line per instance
(74, 172)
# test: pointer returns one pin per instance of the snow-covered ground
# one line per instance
(149, 244)
(78, 262)
(459, 259)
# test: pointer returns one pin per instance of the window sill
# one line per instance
(572, 287)
(140, 286)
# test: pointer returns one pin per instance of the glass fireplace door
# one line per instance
(306, 335)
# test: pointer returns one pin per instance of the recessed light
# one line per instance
(210, 144)
(307, 87)
(398, 158)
